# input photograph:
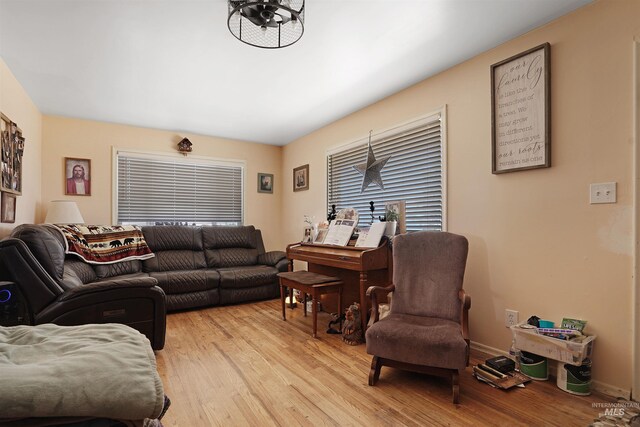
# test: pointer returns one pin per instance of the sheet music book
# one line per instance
(371, 238)
(340, 231)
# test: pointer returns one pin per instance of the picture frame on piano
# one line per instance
(322, 233)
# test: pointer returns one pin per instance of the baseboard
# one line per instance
(486, 349)
(598, 386)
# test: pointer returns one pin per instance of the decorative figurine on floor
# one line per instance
(352, 327)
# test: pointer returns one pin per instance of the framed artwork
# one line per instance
(265, 182)
(308, 234)
(7, 207)
(77, 176)
(397, 211)
(521, 111)
(12, 147)
(301, 178)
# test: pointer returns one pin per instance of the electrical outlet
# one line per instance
(510, 318)
(602, 193)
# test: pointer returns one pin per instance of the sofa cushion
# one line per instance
(170, 237)
(229, 237)
(247, 276)
(230, 246)
(104, 271)
(177, 282)
(232, 257)
(169, 260)
(47, 245)
(76, 272)
(193, 299)
(434, 342)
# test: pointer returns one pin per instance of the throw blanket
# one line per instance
(105, 244)
(75, 371)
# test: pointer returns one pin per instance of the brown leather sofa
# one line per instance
(67, 291)
(193, 267)
(211, 265)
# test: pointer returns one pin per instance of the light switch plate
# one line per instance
(604, 192)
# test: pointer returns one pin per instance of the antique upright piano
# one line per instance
(358, 268)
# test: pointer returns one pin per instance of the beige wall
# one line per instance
(94, 140)
(16, 104)
(536, 244)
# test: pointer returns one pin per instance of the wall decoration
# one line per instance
(12, 145)
(265, 182)
(185, 146)
(301, 178)
(397, 211)
(371, 168)
(521, 111)
(77, 176)
(7, 207)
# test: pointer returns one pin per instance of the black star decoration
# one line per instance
(371, 169)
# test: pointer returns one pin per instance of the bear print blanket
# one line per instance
(105, 244)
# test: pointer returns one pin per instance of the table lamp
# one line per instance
(63, 212)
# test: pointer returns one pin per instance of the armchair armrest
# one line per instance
(271, 258)
(135, 302)
(106, 285)
(465, 304)
(371, 293)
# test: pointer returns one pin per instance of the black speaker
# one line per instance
(13, 307)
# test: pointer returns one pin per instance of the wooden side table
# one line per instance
(313, 284)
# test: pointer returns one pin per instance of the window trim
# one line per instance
(158, 155)
(441, 112)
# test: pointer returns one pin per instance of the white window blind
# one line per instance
(157, 190)
(414, 173)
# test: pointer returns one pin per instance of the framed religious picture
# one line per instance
(521, 111)
(301, 178)
(265, 182)
(7, 207)
(77, 178)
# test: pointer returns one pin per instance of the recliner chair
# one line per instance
(52, 286)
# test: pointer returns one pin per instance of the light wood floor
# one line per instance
(243, 366)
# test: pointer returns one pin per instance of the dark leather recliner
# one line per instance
(70, 292)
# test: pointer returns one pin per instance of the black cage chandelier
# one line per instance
(267, 23)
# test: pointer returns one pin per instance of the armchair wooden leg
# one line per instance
(455, 382)
(374, 373)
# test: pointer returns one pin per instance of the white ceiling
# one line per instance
(173, 64)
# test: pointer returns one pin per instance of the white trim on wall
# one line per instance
(635, 369)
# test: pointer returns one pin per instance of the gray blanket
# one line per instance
(73, 371)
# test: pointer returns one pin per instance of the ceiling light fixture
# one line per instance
(269, 24)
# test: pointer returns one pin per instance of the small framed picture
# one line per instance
(396, 211)
(322, 233)
(301, 178)
(265, 182)
(308, 234)
(8, 207)
(77, 176)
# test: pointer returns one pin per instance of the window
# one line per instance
(156, 189)
(414, 173)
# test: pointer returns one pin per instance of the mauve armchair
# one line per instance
(426, 329)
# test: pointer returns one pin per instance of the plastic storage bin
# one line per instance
(570, 352)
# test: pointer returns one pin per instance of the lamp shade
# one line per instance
(63, 212)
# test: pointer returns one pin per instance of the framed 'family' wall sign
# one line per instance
(521, 111)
